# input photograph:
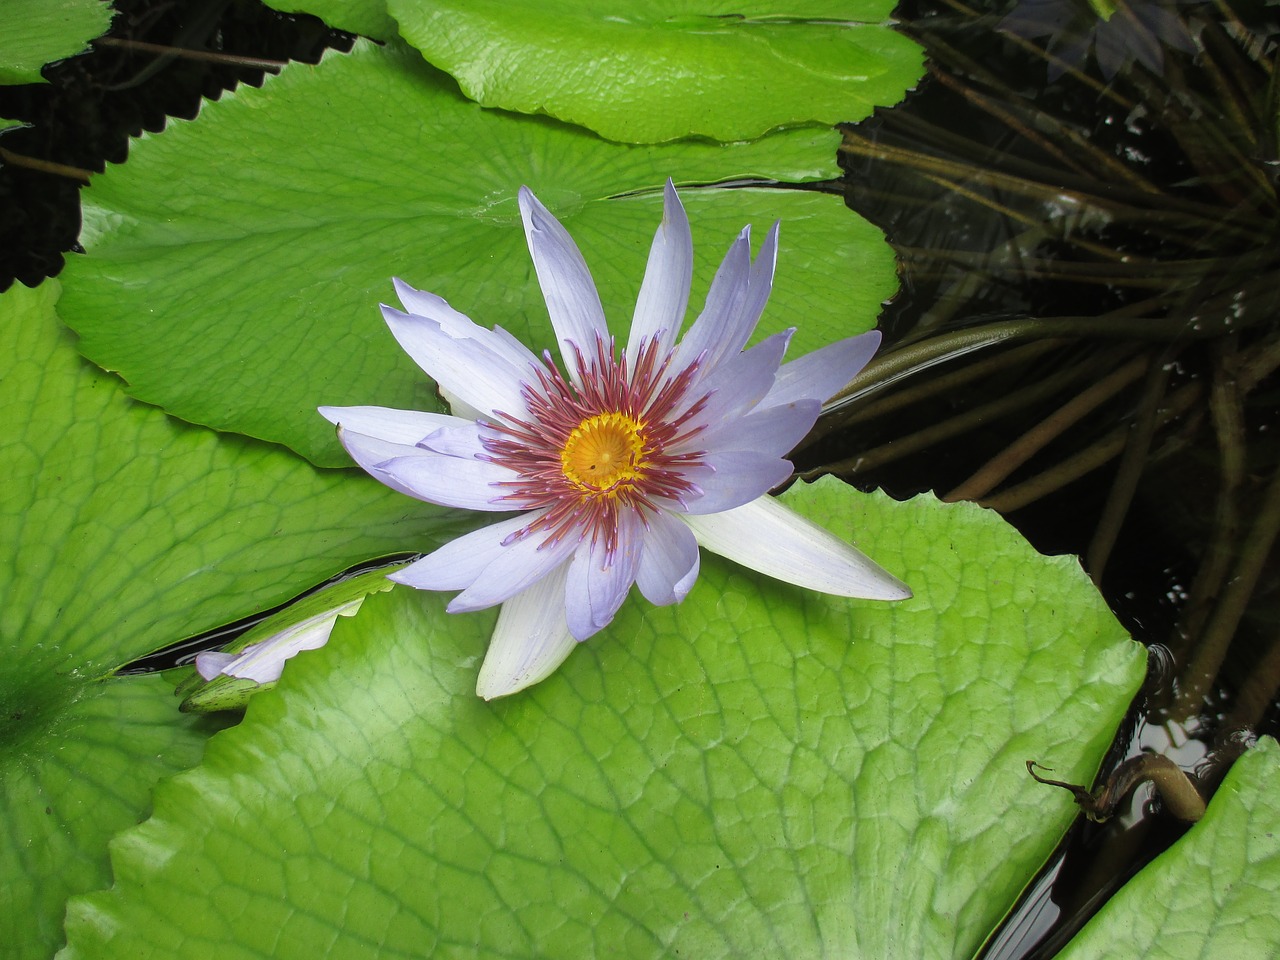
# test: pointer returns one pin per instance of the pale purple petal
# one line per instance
(766, 536)
(211, 663)
(448, 481)
(398, 426)
(263, 662)
(738, 384)
(471, 364)
(371, 453)
(669, 564)
(737, 298)
(774, 430)
(761, 283)
(664, 294)
(719, 330)
(598, 583)
(530, 640)
(820, 375)
(456, 441)
(432, 307)
(457, 564)
(738, 477)
(567, 287)
(519, 565)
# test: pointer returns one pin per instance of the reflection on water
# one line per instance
(1084, 200)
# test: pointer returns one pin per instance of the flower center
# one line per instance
(604, 451)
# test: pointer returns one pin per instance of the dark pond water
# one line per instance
(1090, 262)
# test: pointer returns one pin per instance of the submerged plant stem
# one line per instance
(1087, 460)
(45, 166)
(208, 56)
(1227, 417)
(1008, 405)
(1212, 648)
(985, 479)
(973, 372)
(1129, 473)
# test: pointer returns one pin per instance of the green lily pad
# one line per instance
(1214, 892)
(124, 530)
(243, 294)
(758, 770)
(369, 18)
(36, 32)
(656, 70)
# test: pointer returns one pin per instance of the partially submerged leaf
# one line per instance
(1214, 892)
(654, 71)
(124, 530)
(37, 32)
(759, 769)
(369, 18)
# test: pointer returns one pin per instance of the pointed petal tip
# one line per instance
(530, 640)
(767, 536)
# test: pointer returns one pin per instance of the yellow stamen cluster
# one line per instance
(604, 451)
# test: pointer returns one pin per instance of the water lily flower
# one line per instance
(618, 464)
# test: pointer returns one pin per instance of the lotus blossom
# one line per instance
(619, 463)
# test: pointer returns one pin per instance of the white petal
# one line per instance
(459, 407)
(385, 423)
(664, 294)
(531, 639)
(211, 663)
(519, 565)
(599, 583)
(264, 661)
(669, 564)
(765, 536)
(456, 565)
(567, 287)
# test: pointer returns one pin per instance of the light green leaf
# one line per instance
(243, 293)
(758, 771)
(1214, 892)
(36, 32)
(368, 18)
(660, 70)
(124, 530)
